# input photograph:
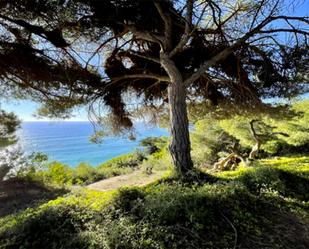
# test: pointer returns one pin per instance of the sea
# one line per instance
(68, 142)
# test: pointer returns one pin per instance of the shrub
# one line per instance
(158, 161)
(121, 165)
(60, 173)
(262, 179)
(153, 144)
(283, 179)
(130, 160)
(86, 174)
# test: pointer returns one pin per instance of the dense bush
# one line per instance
(60, 173)
(130, 160)
(85, 174)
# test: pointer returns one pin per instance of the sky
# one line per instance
(25, 110)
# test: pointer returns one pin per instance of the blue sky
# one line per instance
(25, 109)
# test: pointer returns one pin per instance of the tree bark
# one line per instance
(179, 125)
(255, 149)
(180, 144)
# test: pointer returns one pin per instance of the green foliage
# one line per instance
(258, 204)
(213, 138)
(153, 144)
(85, 174)
(10, 157)
(286, 176)
(38, 157)
(262, 179)
(59, 173)
(39, 169)
(9, 123)
(158, 161)
(204, 141)
(158, 157)
(130, 160)
(209, 140)
(97, 137)
(297, 127)
(120, 165)
(239, 127)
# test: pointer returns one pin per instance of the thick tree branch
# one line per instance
(167, 27)
(141, 76)
(253, 132)
(179, 47)
(281, 133)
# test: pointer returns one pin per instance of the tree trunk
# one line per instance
(179, 125)
(255, 150)
(180, 144)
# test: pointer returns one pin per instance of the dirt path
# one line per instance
(137, 178)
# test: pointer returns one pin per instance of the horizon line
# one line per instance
(52, 120)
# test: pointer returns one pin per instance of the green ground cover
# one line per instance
(264, 206)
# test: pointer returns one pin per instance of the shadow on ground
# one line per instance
(19, 194)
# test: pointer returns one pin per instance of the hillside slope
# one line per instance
(266, 206)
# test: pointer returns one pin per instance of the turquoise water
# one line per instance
(68, 142)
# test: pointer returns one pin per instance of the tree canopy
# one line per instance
(127, 54)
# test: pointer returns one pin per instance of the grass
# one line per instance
(265, 206)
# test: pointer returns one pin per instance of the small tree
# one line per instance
(256, 132)
(270, 131)
(68, 53)
(9, 123)
(265, 134)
